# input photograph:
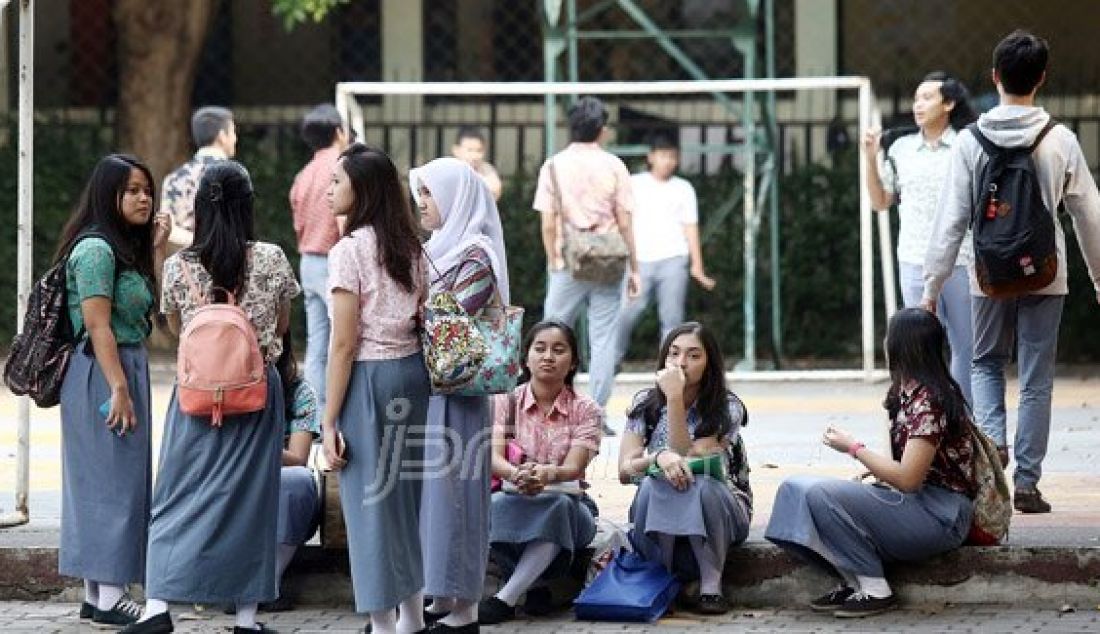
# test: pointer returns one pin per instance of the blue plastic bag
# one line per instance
(629, 589)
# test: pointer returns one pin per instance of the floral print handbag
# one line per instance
(501, 327)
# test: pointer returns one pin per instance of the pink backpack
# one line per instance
(219, 369)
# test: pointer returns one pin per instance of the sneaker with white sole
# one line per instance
(124, 612)
(861, 604)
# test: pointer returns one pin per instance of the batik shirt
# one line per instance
(919, 417)
(177, 197)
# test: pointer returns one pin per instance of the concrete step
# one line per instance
(757, 574)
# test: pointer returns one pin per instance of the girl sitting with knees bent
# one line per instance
(689, 415)
(542, 518)
(923, 501)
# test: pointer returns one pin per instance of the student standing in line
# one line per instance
(212, 538)
(467, 258)
(115, 243)
(378, 386)
(923, 501)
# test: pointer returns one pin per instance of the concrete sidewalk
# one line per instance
(1053, 557)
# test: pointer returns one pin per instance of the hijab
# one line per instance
(469, 218)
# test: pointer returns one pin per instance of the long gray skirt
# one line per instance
(212, 538)
(517, 520)
(299, 506)
(454, 512)
(850, 527)
(708, 509)
(106, 479)
(383, 425)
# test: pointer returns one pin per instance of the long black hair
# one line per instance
(99, 210)
(381, 204)
(954, 91)
(917, 350)
(529, 340)
(287, 367)
(712, 404)
(223, 224)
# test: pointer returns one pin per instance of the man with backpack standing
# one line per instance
(1009, 174)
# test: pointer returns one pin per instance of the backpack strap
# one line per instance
(1042, 134)
(989, 147)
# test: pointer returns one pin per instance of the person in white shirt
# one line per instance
(666, 236)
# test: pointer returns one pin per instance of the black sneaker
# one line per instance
(833, 600)
(125, 612)
(860, 605)
(159, 624)
(493, 611)
(260, 627)
(87, 610)
(1029, 500)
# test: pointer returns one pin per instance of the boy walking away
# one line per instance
(1028, 320)
(666, 235)
(584, 198)
(215, 134)
(470, 147)
(317, 231)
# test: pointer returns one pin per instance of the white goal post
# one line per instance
(348, 94)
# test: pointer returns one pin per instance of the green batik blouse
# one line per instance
(91, 273)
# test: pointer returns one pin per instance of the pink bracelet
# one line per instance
(854, 449)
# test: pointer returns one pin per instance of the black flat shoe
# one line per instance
(260, 627)
(712, 604)
(87, 610)
(469, 628)
(159, 624)
(493, 611)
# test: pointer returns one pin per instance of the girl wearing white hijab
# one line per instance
(467, 250)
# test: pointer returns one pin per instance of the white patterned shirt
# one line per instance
(915, 173)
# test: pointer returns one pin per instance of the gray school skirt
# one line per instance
(708, 509)
(383, 425)
(516, 520)
(299, 506)
(849, 527)
(106, 479)
(454, 513)
(212, 536)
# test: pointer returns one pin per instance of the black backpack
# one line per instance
(39, 356)
(1015, 252)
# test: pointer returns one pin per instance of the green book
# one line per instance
(713, 465)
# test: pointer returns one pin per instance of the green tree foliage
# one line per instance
(295, 12)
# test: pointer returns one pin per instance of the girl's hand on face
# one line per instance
(676, 470)
(671, 381)
(837, 439)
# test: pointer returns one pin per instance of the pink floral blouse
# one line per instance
(919, 417)
(387, 312)
(573, 421)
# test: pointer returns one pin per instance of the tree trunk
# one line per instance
(159, 44)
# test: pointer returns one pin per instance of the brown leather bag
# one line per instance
(589, 256)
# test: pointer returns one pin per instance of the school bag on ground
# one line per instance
(1014, 235)
(39, 356)
(629, 589)
(992, 502)
(219, 369)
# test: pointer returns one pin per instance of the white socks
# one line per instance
(710, 569)
(874, 587)
(411, 613)
(463, 612)
(668, 549)
(91, 593)
(283, 557)
(536, 558)
(246, 615)
(108, 596)
(153, 607)
(383, 622)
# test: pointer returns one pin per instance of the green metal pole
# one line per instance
(749, 208)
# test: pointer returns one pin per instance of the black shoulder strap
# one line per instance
(1042, 133)
(989, 147)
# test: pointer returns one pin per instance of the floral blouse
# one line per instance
(953, 466)
(90, 272)
(302, 414)
(269, 282)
